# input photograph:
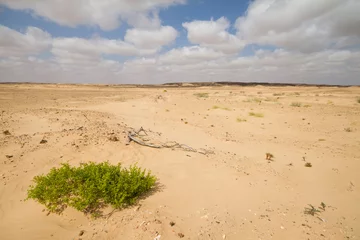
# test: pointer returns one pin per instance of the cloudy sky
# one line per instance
(158, 41)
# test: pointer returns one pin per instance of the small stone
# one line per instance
(181, 235)
(114, 139)
(6, 132)
(81, 232)
(172, 223)
(43, 141)
(9, 156)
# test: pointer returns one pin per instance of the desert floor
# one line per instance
(225, 190)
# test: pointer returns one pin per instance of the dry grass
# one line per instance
(223, 108)
(253, 114)
(240, 119)
(201, 95)
(295, 104)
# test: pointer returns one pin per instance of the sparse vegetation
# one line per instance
(307, 105)
(321, 140)
(165, 90)
(295, 104)
(269, 99)
(253, 114)
(201, 95)
(311, 210)
(257, 100)
(278, 94)
(90, 187)
(223, 108)
(358, 100)
(240, 119)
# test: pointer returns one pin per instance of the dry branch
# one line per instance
(139, 139)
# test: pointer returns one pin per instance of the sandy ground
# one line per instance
(233, 192)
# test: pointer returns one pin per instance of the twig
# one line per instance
(140, 142)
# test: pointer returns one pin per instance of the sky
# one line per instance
(164, 41)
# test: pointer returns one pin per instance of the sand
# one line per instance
(232, 192)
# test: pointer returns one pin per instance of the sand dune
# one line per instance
(232, 192)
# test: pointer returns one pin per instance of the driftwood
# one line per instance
(136, 137)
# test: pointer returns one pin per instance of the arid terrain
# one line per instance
(223, 189)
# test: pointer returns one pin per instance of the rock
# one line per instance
(181, 235)
(81, 232)
(113, 138)
(172, 223)
(9, 156)
(43, 141)
(6, 132)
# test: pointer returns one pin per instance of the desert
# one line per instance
(260, 162)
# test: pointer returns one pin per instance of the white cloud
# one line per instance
(189, 55)
(304, 25)
(13, 43)
(106, 14)
(214, 34)
(151, 38)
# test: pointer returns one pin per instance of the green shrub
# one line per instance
(90, 187)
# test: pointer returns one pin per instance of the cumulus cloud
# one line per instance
(106, 14)
(32, 41)
(214, 34)
(305, 25)
(189, 55)
(153, 38)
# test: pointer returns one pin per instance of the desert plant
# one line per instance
(90, 187)
(311, 210)
(259, 115)
(307, 105)
(358, 100)
(201, 95)
(219, 107)
(240, 119)
(257, 100)
(295, 104)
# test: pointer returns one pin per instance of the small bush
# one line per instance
(295, 104)
(358, 100)
(307, 106)
(241, 120)
(259, 115)
(278, 94)
(201, 95)
(90, 187)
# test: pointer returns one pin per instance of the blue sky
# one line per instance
(265, 40)
(172, 15)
